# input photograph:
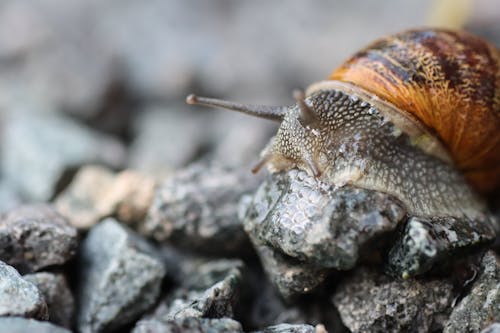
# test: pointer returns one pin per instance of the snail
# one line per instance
(415, 115)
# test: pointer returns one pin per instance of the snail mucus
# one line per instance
(416, 116)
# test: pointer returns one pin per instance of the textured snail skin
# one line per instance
(356, 143)
(447, 80)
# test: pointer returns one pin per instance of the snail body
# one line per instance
(415, 115)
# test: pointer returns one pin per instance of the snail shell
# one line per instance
(448, 81)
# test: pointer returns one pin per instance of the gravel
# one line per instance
(19, 297)
(35, 237)
(120, 278)
(56, 293)
(198, 207)
(369, 301)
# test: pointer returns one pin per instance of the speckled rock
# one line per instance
(425, 241)
(369, 301)
(23, 325)
(288, 328)
(39, 148)
(317, 223)
(96, 192)
(36, 236)
(481, 306)
(19, 297)
(189, 325)
(198, 207)
(57, 295)
(290, 276)
(120, 277)
(209, 290)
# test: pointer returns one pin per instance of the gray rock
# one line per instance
(157, 127)
(198, 207)
(317, 223)
(290, 276)
(39, 149)
(120, 277)
(493, 328)
(23, 325)
(369, 301)
(481, 306)
(57, 295)
(34, 237)
(288, 328)
(210, 290)
(9, 198)
(19, 297)
(189, 325)
(424, 242)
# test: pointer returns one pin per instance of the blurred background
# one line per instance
(91, 81)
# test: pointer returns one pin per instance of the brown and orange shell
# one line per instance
(450, 82)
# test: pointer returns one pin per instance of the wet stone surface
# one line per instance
(369, 301)
(198, 207)
(55, 291)
(425, 241)
(481, 306)
(314, 222)
(19, 297)
(24, 325)
(121, 277)
(36, 236)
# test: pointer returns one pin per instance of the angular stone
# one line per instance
(36, 236)
(23, 325)
(210, 290)
(57, 295)
(81, 201)
(369, 301)
(96, 192)
(121, 277)
(424, 242)
(197, 208)
(38, 149)
(290, 276)
(19, 297)
(481, 306)
(189, 325)
(317, 223)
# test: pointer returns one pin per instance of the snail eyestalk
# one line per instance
(307, 115)
(276, 113)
